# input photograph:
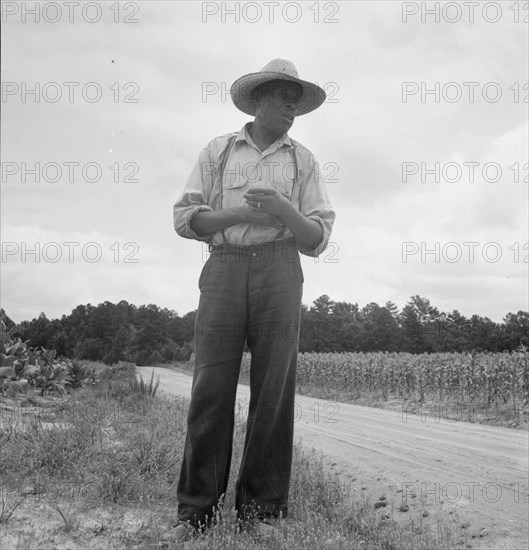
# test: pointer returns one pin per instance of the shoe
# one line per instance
(179, 533)
(265, 529)
(261, 527)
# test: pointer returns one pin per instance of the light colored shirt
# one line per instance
(246, 167)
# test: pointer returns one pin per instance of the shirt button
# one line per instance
(254, 254)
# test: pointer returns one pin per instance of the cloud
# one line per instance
(367, 133)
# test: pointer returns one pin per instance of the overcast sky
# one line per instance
(163, 82)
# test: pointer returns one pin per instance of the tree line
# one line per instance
(148, 334)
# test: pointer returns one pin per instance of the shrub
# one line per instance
(78, 375)
(156, 357)
(183, 353)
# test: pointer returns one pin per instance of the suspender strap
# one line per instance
(220, 174)
(297, 173)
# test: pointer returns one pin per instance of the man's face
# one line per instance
(276, 105)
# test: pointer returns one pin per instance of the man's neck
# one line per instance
(261, 136)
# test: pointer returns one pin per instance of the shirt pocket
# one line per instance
(233, 179)
(234, 185)
(283, 184)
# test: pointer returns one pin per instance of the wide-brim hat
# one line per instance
(278, 69)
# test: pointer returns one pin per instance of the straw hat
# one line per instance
(278, 69)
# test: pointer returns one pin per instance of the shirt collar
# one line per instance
(244, 135)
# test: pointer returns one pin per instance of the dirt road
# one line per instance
(477, 473)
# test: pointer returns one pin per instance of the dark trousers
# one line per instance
(251, 295)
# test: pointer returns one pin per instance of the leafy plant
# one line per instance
(51, 378)
(148, 390)
(16, 363)
(79, 375)
(23, 368)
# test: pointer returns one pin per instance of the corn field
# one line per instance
(494, 378)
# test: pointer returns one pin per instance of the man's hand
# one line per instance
(257, 216)
(267, 200)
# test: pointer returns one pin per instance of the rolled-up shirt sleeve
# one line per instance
(195, 197)
(315, 204)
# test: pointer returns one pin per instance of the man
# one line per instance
(258, 199)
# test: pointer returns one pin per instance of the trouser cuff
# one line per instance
(261, 510)
(196, 516)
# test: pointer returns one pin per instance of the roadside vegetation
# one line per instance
(98, 468)
(90, 457)
(489, 388)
